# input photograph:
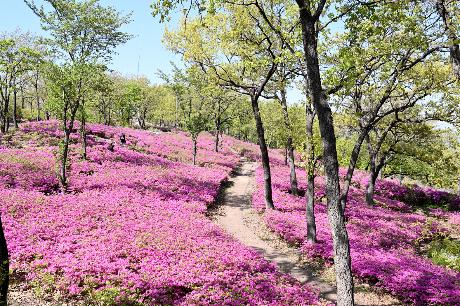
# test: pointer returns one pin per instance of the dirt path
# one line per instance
(236, 216)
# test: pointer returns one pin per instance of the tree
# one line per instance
(283, 77)
(195, 123)
(191, 89)
(309, 21)
(448, 11)
(220, 105)
(238, 53)
(15, 61)
(379, 51)
(308, 18)
(83, 34)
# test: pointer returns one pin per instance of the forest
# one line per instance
(327, 129)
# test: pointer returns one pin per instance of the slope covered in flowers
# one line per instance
(384, 239)
(133, 227)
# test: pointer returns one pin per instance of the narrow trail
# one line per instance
(236, 209)
(236, 215)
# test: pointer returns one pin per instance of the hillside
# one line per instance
(133, 228)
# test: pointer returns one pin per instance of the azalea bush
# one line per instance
(413, 195)
(132, 228)
(384, 239)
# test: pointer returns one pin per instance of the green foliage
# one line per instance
(82, 31)
(107, 296)
(446, 253)
(195, 124)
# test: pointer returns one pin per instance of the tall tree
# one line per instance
(15, 61)
(238, 51)
(83, 34)
(381, 47)
(309, 18)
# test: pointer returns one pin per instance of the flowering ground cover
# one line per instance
(385, 239)
(132, 229)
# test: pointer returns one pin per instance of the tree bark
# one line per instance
(194, 140)
(216, 144)
(37, 98)
(454, 48)
(218, 127)
(64, 157)
(4, 267)
(310, 172)
(6, 106)
(15, 108)
(342, 259)
(371, 184)
(289, 145)
(264, 152)
(83, 137)
(351, 168)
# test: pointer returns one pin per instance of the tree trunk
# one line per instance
(351, 168)
(194, 139)
(23, 100)
(371, 186)
(37, 99)
(289, 145)
(310, 172)
(83, 136)
(216, 144)
(264, 154)
(342, 259)
(4, 267)
(6, 106)
(38, 110)
(15, 109)
(64, 157)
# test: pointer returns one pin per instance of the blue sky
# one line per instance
(145, 46)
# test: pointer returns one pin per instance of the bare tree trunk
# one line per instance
(37, 99)
(67, 127)
(5, 123)
(310, 172)
(342, 259)
(371, 186)
(64, 157)
(289, 145)
(84, 137)
(4, 267)
(38, 110)
(351, 168)
(194, 139)
(216, 142)
(218, 127)
(15, 108)
(264, 153)
(23, 100)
